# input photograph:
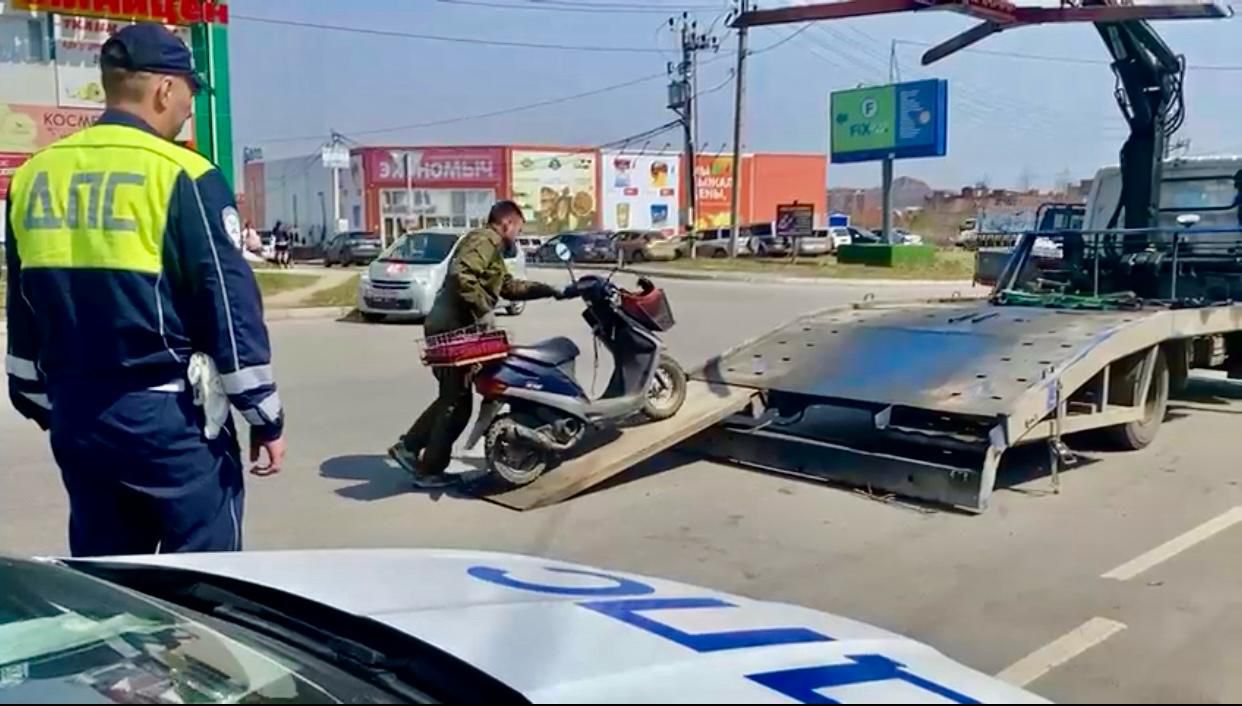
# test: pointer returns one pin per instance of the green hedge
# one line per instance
(887, 255)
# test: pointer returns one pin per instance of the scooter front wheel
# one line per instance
(668, 390)
(514, 460)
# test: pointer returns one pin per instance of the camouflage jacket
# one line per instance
(477, 279)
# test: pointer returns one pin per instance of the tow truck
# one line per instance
(927, 400)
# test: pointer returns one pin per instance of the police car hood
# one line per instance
(559, 632)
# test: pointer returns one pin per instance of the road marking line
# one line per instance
(1176, 546)
(1060, 651)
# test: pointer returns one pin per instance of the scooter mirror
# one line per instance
(563, 253)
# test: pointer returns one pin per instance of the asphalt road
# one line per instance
(1076, 594)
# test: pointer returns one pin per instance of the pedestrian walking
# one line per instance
(280, 244)
(125, 290)
(477, 279)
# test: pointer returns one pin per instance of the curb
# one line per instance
(317, 312)
(752, 278)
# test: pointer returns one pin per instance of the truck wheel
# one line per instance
(513, 460)
(668, 390)
(1139, 434)
(515, 308)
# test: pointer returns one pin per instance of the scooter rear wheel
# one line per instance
(668, 390)
(513, 460)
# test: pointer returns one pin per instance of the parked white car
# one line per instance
(404, 279)
(422, 626)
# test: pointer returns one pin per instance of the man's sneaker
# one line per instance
(405, 458)
(409, 463)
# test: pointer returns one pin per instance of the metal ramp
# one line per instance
(707, 404)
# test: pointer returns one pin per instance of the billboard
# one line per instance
(902, 121)
(713, 191)
(556, 190)
(29, 128)
(641, 191)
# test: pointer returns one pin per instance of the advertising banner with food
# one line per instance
(713, 191)
(641, 192)
(556, 190)
(78, 41)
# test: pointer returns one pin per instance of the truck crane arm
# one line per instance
(1150, 95)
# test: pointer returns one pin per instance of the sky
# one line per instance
(1013, 120)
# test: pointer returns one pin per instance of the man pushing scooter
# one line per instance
(477, 279)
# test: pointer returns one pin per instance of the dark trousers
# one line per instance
(441, 424)
(141, 476)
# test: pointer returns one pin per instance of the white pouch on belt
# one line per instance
(208, 393)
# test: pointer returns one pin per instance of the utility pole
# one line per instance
(682, 92)
(739, 95)
(886, 167)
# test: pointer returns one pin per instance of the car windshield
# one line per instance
(420, 248)
(66, 637)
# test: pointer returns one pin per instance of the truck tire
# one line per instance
(1137, 435)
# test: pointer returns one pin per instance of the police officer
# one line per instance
(121, 267)
(477, 279)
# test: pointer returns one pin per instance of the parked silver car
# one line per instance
(404, 279)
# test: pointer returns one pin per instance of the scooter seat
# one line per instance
(553, 351)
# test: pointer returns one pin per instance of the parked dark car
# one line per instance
(353, 248)
(590, 246)
(763, 240)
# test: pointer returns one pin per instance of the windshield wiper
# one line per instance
(353, 657)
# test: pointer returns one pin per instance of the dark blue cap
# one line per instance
(150, 47)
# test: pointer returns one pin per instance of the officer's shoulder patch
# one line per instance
(232, 225)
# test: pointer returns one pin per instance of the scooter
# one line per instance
(548, 412)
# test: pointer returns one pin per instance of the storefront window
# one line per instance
(434, 208)
(23, 39)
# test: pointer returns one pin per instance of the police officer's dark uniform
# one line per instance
(121, 266)
(477, 279)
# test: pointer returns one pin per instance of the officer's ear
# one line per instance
(164, 91)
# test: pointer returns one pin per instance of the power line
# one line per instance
(445, 38)
(534, 105)
(479, 116)
(781, 41)
(1066, 59)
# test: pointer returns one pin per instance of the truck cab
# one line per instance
(1202, 186)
